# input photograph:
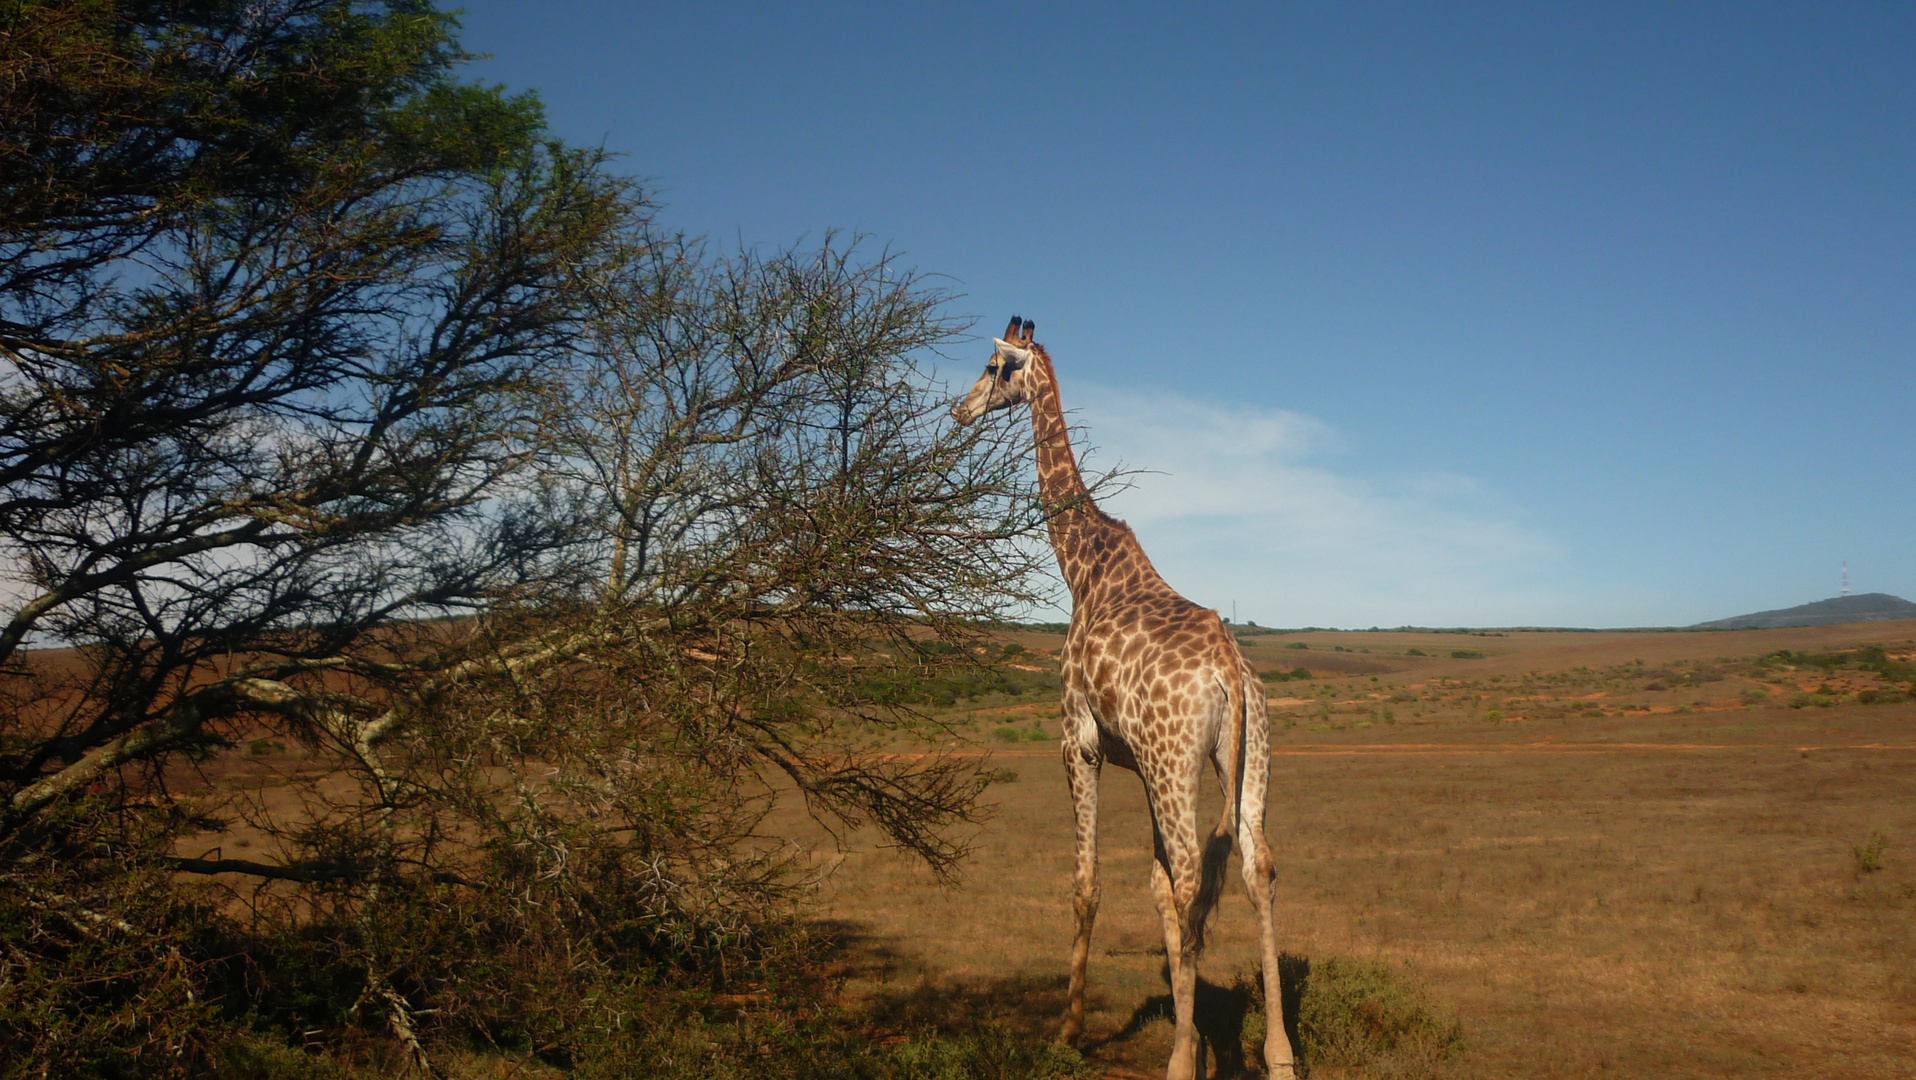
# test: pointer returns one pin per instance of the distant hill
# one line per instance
(1869, 607)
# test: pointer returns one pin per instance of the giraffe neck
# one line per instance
(1085, 539)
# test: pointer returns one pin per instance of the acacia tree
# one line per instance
(337, 404)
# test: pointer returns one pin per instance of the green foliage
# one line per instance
(1294, 674)
(122, 115)
(1009, 733)
(1866, 658)
(1869, 853)
(1466, 654)
(107, 972)
(1755, 696)
(985, 1054)
(1372, 1016)
(1297, 645)
(946, 685)
(1415, 652)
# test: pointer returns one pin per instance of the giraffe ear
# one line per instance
(1018, 357)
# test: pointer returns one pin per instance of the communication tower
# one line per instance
(1845, 577)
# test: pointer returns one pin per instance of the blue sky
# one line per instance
(1575, 314)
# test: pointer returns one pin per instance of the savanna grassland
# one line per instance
(1602, 853)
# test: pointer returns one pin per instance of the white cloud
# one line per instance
(1238, 504)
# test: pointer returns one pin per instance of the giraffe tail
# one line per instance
(1217, 850)
(1237, 706)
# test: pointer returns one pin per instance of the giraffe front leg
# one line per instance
(1082, 771)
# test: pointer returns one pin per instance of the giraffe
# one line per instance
(1155, 684)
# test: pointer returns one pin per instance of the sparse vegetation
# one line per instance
(1869, 853)
(1377, 1019)
(1009, 733)
(1442, 828)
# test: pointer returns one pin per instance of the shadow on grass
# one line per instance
(908, 998)
(1220, 1012)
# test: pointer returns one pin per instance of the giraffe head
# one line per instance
(1007, 379)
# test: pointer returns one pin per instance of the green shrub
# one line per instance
(1372, 1016)
(988, 1054)
(1008, 733)
(1466, 654)
(1869, 853)
(1754, 696)
(1297, 645)
(1415, 652)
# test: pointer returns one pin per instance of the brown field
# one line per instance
(1620, 854)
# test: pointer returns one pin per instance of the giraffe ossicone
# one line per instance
(1155, 684)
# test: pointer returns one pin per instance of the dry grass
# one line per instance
(1616, 854)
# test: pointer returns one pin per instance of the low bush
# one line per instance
(1297, 645)
(1008, 733)
(1869, 853)
(986, 1054)
(1372, 1016)
(1466, 654)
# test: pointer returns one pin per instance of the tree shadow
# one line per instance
(905, 996)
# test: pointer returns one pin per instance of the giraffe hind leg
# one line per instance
(1175, 881)
(1260, 878)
